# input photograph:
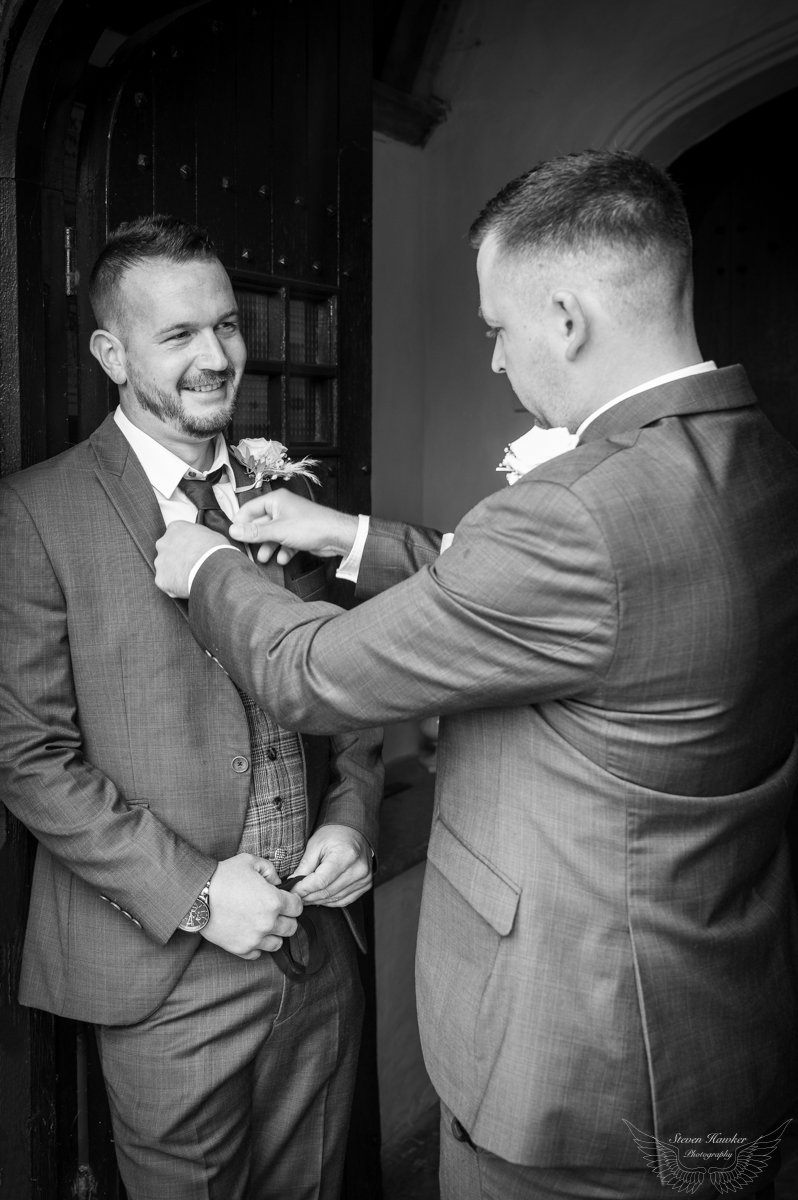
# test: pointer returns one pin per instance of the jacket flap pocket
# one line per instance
(491, 894)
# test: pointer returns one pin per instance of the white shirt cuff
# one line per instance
(201, 560)
(350, 567)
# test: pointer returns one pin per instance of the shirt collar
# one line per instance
(698, 369)
(163, 468)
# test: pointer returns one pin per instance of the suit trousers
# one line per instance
(239, 1085)
(470, 1173)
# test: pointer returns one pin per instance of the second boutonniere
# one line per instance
(534, 448)
(265, 460)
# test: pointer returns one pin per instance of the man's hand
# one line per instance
(338, 862)
(282, 519)
(179, 549)
(249, 914)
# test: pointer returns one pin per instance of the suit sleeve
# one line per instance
(394, 551)
(521, 609)
(355, 793)
(72, 808)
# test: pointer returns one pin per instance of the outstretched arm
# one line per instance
(522, 608)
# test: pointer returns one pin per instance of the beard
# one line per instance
(169, 408)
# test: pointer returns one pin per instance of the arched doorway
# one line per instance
(255, 121)
(739, 191)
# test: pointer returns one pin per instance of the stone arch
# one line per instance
(703, 99)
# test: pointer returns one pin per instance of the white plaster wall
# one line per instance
(525, 80)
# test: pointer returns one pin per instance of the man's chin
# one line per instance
(203, 420)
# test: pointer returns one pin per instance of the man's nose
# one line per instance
(211, 354)
(497, 362)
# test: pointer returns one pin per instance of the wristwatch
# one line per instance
(199, 914)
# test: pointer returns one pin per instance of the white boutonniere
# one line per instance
(265, 459)
(534, 448)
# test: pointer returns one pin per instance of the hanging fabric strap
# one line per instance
(293, 968)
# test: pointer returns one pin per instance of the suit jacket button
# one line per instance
(240, 764)
(136, 923)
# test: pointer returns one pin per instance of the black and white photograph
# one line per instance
(398, 600)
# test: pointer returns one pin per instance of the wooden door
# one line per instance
(254, 120)
(739, 193)
(243, 119)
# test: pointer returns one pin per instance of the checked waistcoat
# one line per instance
(274, 826)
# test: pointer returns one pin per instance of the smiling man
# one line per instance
(168, 806)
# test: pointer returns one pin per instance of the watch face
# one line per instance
(197, 916)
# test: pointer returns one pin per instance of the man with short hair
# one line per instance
(608, 929)
(169, 808)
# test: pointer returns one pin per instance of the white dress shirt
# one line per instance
(350, 566)
(165, 470)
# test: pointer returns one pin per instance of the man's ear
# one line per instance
(574, 325)
(110, 354)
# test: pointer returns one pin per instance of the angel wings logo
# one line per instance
(730, 1162)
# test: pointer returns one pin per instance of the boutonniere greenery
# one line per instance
(265, 459)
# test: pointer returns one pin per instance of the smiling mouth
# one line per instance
(201, 388)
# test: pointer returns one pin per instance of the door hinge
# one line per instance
(71, 274)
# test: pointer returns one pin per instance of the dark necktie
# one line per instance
(200, 493)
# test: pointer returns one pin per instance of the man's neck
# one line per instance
(194, 453)
(626, 372)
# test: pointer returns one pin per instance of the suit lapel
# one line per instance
(128, 488)
(302, 562)
(272, 570)
(125, 481)
(283, 577)
(709, 391)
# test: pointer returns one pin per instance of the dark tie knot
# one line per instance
(200, 491)
(209, 511)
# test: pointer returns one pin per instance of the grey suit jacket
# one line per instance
(122, 743)
(608, 929)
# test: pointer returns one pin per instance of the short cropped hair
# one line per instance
(582, 201)
(135, 242)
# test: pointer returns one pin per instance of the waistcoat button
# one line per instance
(272, 753)
(240, 764)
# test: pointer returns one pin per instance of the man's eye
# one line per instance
(229, 327)
(179, 336)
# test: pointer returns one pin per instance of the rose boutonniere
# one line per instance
(534, 448)
(265, 459)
